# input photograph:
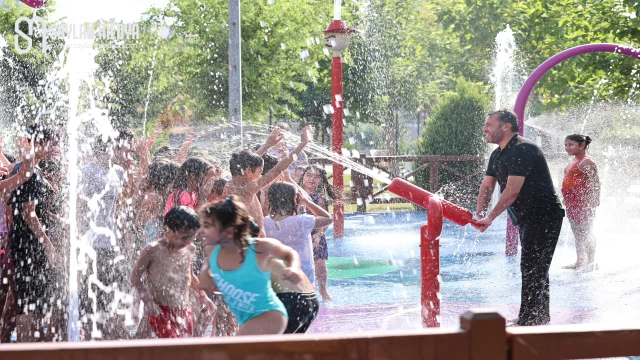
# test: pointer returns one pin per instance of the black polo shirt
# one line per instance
(537, 200)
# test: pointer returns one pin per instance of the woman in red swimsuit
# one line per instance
(581, 193)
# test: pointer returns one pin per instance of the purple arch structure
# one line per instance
(530, 83)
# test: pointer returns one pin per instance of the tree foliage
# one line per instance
(455, 129)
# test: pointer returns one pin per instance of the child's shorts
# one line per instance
(172, 323)
(302, 310)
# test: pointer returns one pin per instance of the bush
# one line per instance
(455, 128)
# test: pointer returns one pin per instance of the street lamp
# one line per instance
(337, 37)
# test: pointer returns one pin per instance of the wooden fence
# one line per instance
(482, 336)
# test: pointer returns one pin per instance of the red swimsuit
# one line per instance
(577, 190)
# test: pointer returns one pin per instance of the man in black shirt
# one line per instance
(527, 193)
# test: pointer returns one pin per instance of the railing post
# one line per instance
(430, 269)
(487, 332)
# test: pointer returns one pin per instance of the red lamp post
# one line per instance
(337, 37)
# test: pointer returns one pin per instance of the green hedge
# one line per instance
(455, 128)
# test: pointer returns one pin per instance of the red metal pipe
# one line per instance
(337, 141)
(420, 197)
(430, 264)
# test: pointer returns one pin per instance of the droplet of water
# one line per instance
(283, 46)
(355, 260)
(326, 51)
(304, 54)
(271, 2)
(328, 109)
(352, 140)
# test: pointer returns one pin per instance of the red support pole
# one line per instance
(337, 142)
(430, 269)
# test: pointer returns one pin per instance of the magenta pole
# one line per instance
(527, 88)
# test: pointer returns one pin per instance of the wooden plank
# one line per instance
(416, 345)
(487, 336)
(572, 342)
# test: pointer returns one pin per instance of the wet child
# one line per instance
(192, 184)
(581, 194)
(315, 182)
(293, 229)
(239, 266)
(167, 266)
(299, 299)
(247, 178)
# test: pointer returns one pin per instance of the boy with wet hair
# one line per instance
(167, 265)
(246, 173)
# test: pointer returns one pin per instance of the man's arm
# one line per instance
(484, 195)
(508, 196)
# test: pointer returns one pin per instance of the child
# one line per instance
(293, 229)
(581, 194)
(168, 266)
(160, 177)
(247, 178)
(239, 268)
(299, 299)
(193, 183)
(315, 182)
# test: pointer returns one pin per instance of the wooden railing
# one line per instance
(362, 185)
(482, 336)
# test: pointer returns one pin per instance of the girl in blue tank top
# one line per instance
(238, 267)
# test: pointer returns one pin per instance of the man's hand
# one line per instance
(483, 224)
(275, 137)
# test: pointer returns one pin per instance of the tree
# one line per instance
(27, 92)
(455, 129)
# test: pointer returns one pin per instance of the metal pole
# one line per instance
(337, 142)
(430, 265)
(235, 66)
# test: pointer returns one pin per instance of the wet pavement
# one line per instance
(475, 273)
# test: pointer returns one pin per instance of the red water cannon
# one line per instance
(420, 197)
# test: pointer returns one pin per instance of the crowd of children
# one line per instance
(164, 233)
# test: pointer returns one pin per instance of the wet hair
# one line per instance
(124, 135)
(325, 189)
(269, 162)
(580, 139)
(218, 187)
(181, 218)
(284, 126)
(506, 117)
(240, 161)
(164, 152)
(254, 228)
(230, 213)
(161, 173)
(49, 167)
(41, 133)
(192, 166)
(10, 157)
(282, 199)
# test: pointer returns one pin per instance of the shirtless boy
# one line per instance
(168, 266)
(247, 178)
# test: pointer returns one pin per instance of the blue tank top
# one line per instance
(247, 290)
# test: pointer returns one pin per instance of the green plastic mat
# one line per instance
(349, 268)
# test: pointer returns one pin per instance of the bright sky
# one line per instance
(91, 10)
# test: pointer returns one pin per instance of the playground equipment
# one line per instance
(530, 83)
(437, 209)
